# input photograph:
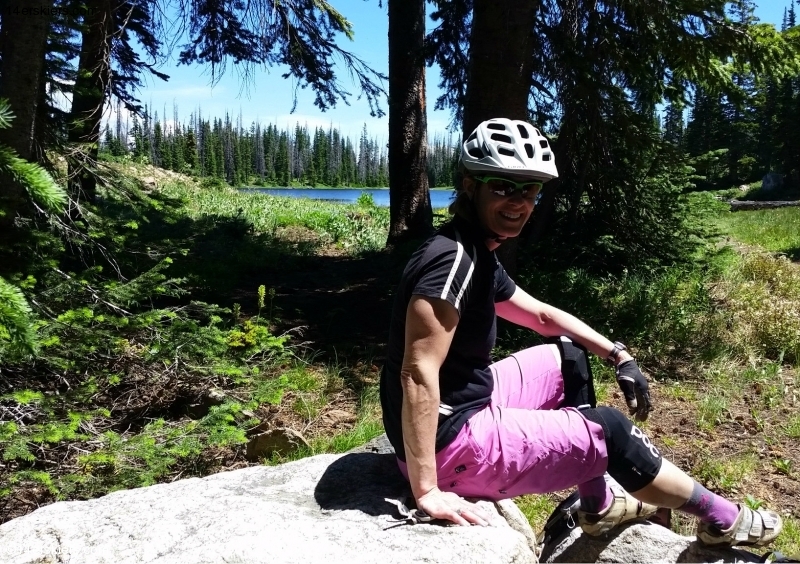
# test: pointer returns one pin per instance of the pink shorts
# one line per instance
(521, 443)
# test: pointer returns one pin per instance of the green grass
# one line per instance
(354, 227)
(725, 474)
(711, 411)
(536, 508)
(776, 230)
(365, 429)
(759, 308)
(792, 428)
(679, 391)
(789, 540)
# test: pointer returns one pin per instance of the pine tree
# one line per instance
(190, 150)
(673, 124)
(270, 152)
(158, 144)
(283, 172)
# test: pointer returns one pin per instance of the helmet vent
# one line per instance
(501, 137)
(475, 152)
(496, 126)
(543, 143)
(522, 131)
(545, 156)
(506, 152)
(471, 137)
(529, 150)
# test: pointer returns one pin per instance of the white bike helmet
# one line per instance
(509, 146)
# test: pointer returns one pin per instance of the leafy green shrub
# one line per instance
(365, 200)
(661, 312)
(17, 334)
(16, 328)
(763, 307)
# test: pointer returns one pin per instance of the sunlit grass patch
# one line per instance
(789, 540)
(711, 411)
(792, 428)
(761, 302)
(667, 444)
(763, 380)
(365, 429)
(776, 230)
(355, 228)
(603, 390)
(679, 391)
(536, 508)
(725, 474)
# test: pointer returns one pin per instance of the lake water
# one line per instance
(439, 198)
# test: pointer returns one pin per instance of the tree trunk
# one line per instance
(22, 39)
(500, 66)
(410, 210)
(88, 99)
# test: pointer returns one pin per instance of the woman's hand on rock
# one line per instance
(447, 505)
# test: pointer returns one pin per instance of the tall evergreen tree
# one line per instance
(283, 175)
(411, 215)
(501, 44)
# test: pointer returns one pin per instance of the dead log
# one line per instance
(743, 205)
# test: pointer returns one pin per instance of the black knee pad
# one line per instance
(577, 374)
(633, 460)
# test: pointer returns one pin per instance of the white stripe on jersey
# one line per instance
(454, 269)
(467, 278)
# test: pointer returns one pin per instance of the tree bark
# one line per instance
(410, 210)
(22, 39)
(500, 66)
(89, 96)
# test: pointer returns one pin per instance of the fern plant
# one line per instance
(38, 183)
(16, 328)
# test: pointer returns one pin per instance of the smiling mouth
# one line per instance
(511, 215)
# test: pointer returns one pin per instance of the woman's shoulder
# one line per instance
(449, 240)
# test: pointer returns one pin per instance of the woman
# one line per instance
(464, 427)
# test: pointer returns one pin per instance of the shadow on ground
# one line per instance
(334, 304)
(379, 479)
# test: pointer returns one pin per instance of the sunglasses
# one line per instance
(506, 188)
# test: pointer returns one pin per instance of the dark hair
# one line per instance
(462, 206)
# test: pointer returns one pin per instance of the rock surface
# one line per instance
(323, 508)
(771, 181)
(326, 508)
(265, 441)
(640, 542)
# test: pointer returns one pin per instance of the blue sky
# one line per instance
(268, 97)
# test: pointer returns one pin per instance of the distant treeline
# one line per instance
(736, 138)
(263, 154)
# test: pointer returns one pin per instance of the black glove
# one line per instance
(634, 387)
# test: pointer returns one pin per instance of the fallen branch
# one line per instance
(741, 205)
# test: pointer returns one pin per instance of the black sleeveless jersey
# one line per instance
(453, 265)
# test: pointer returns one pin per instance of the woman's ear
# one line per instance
(468, 185)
